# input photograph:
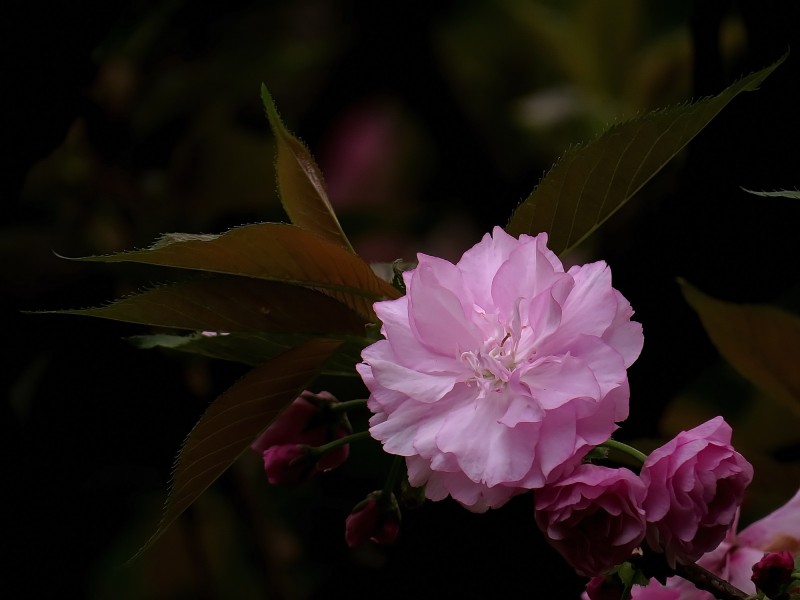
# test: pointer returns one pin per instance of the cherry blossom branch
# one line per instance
(395, 472)
(707, 581)
(320, 450)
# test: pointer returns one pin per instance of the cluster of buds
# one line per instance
(293, 447)
(309, 437)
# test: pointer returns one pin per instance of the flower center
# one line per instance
(493, 364)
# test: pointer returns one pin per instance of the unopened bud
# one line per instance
(373, 520)
(773, 573)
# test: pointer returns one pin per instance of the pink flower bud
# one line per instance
(285, 445)
(695, 485)
(372, 521)
(773, 572)
(287, 464)
(593, 517)
(604, 588)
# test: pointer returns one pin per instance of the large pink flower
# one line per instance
(499, 373)
(594, 517)
(695, 485)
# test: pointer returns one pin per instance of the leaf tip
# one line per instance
(65, 257)
(272, 111)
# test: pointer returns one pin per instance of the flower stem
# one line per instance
(624, 448)
(345, 406)
(320, 450)
(707, 581)
(395, 472)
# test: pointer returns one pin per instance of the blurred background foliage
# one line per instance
(430, 121)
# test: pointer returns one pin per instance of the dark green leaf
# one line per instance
(300, 182)
(233, 304)
(777, 194)
(592, 182)
(275, 252)
(761, 342)
(254, 348)
(235, 420)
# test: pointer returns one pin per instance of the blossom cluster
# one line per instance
(498, 375)
(760, 557)
(683, 503)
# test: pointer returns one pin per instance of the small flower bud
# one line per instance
(605, 588)
(287, 464)
(773, 573)
(373, 519)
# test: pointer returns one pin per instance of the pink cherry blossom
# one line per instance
(695, 485)
(499, 373)
(594, 517)
(734, 558)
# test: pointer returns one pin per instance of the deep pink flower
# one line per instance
(373, 520)
(773, 572)
(285, 444)
(734, 558)
(695, 485)
(594, 517)
(499, 373)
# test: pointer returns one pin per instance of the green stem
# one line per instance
(624, 448)
(320, 450)
(345, 406)
(395, 472)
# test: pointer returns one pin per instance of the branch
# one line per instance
(707, 581)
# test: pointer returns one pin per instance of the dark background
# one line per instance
(125, 120)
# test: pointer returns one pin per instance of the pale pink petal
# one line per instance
(407, 349)
(739, 565)
(419, 386)
(780, 530)
(526, 274)
(554, 381)
(504, 454)
(592, 304)
(544, 313)
(437, 317)
(481, 262)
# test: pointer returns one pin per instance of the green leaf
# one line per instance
(300, 182)
(233, 304)
(777, 194)
(254, 348)
(271, 251)
(592, 182)
(761, 342)
(235, 420)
